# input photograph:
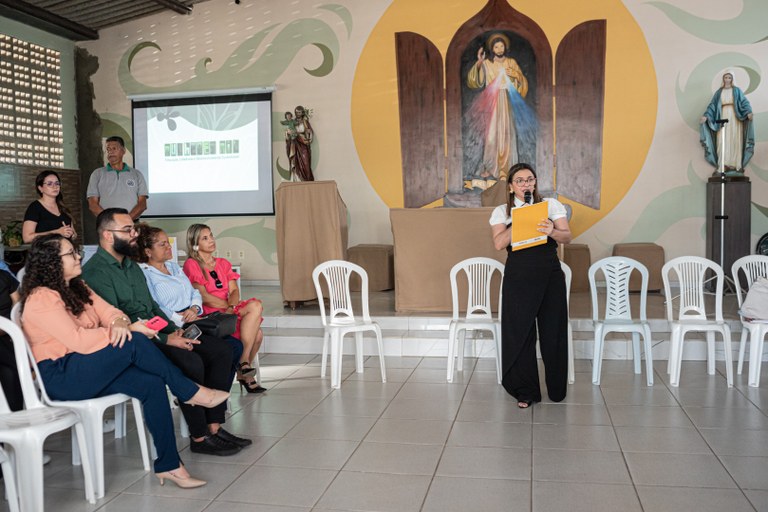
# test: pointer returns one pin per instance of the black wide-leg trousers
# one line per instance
(534, 297)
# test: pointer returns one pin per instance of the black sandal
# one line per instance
(246, 369)
(524, 404)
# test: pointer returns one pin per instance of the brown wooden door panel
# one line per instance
(420, 94)
(579, 99)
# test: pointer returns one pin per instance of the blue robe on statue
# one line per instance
(708, 130)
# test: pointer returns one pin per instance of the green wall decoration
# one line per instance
(668, 208)
(746, 28)
(243, 69)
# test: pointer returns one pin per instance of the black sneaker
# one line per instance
(214, 445)
(231, 438)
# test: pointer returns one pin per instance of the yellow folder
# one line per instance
(525, 224)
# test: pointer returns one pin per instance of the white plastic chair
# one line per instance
(92, 413)
(24, 432)
(341, 319)
(618, 311)
(479, 317)
(9, 475)
(568, 278)
(752, 267)
(691, 272)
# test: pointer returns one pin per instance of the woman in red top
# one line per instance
(217, 283)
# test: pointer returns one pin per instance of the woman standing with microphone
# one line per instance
(533, 296)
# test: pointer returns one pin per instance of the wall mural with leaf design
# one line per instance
(663, 60)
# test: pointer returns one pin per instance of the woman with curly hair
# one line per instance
(217, 283)
(86, 348)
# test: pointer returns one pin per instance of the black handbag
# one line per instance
(217, 324)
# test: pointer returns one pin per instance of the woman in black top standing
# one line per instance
(48, 214)
(533, 296)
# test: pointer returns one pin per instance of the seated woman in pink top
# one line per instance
(86, 348)
(217, 283)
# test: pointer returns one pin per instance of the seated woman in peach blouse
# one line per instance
(86, 348)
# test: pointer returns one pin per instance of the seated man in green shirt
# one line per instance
(113, 275)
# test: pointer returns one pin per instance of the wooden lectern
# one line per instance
(311, 228)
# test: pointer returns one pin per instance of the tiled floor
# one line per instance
(417, 443)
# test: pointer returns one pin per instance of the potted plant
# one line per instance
(12, 234)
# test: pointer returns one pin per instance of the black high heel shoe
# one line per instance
(250, 387)
(245, 369)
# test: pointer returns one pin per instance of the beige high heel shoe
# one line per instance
(185, 482)
(207, 397)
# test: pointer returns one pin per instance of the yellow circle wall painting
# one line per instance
(630, 89)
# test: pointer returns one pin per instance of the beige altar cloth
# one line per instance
(428, 242)
(311, 228)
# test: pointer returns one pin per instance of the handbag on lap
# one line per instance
(217, 324)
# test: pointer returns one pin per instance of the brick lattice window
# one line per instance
(30, 104)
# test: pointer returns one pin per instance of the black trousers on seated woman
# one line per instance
(208, 364)
(534, 295)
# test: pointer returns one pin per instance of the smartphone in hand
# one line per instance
(192, 332)
(156, 323)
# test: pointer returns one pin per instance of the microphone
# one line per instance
(527, 197)
(721, 121)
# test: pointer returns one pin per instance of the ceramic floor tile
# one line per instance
(404, 408)
(474, 462)
(367, 389)
(736, 418)
(677, 469)
(464, 494)
(566, 414)
(579, 466)
(665, 499)
(574, 437)
(749, 472)
(286, 404)
(759, 499)
(338, 405)
(637, 416)
(374, 374)
(413, 459)
(338, 428)
(295, 487)
(583, 497)
(374, 491)
(224, 506)
(737, 442)
(506, 435)
(439, 376)
(309, 453)
(251, 423)
(506, 411)
(431, 391)
(639, 395)
(134, 502)
(409, 431)
(662, 440)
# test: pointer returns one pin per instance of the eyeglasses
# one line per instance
(162, 244)
(215, 277)
(52, 183)
(75, 255)
(521, 181)
(124, 230)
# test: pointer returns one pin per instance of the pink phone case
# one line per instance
(156, 323)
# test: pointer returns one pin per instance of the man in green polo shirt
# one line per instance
(117, 185)
(113, 275)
